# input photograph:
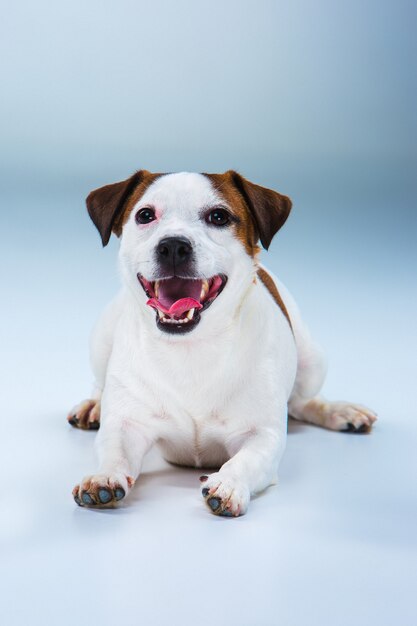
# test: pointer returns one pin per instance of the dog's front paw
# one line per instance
(85, 415)
(102, 490)
(350, 418)
(225, 496)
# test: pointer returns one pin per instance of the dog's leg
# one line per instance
(305, 402)
(121, 444)
(252, 468)
(307, 405)
(342, 416)
(86, 414)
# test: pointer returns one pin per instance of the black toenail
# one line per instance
(203, 478)
(77, 500)
(226, 514)
(73, 420)
(213, 503)
(363, 428)
(104, 495)
(119, 493)
(93, 425)
(351, 428)
(86, 498)
(205, 491)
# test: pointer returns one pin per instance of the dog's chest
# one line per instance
(197, 439)
(196, 392)
(199, 384)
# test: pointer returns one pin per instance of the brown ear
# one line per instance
(105, 205)
(269, 209)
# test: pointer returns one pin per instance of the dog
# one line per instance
(203, 352)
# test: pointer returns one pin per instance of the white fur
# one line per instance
(217, 396)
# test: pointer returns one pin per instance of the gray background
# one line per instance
(316, 99)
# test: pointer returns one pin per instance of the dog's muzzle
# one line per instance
(179, 302)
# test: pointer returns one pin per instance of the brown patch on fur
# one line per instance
(244, 226)
(260, 212)
(135, 196)
(266, 279)
(110, 206)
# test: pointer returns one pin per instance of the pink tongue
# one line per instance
(177, 308)
(168, 301)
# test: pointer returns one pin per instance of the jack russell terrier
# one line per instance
(204, 351)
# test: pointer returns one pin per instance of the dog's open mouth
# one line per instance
(179, 302)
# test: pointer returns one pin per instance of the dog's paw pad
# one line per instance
(87, 499)
(104, 495)
(214, 503)
(119, 493)
(85, 415)
(225, 496)
(102, 491)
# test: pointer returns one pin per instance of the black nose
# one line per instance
(174, 251)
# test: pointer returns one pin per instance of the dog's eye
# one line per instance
(218, 217)
(144, 216)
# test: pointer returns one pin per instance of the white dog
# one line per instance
(203, 352)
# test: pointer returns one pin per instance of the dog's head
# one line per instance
(189, 241)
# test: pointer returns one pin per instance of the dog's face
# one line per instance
(189, 241)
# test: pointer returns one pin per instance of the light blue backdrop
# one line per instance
(314, 98)
(92, 90)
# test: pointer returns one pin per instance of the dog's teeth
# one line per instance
(156, 288)
(165, 319)
(204, 288)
